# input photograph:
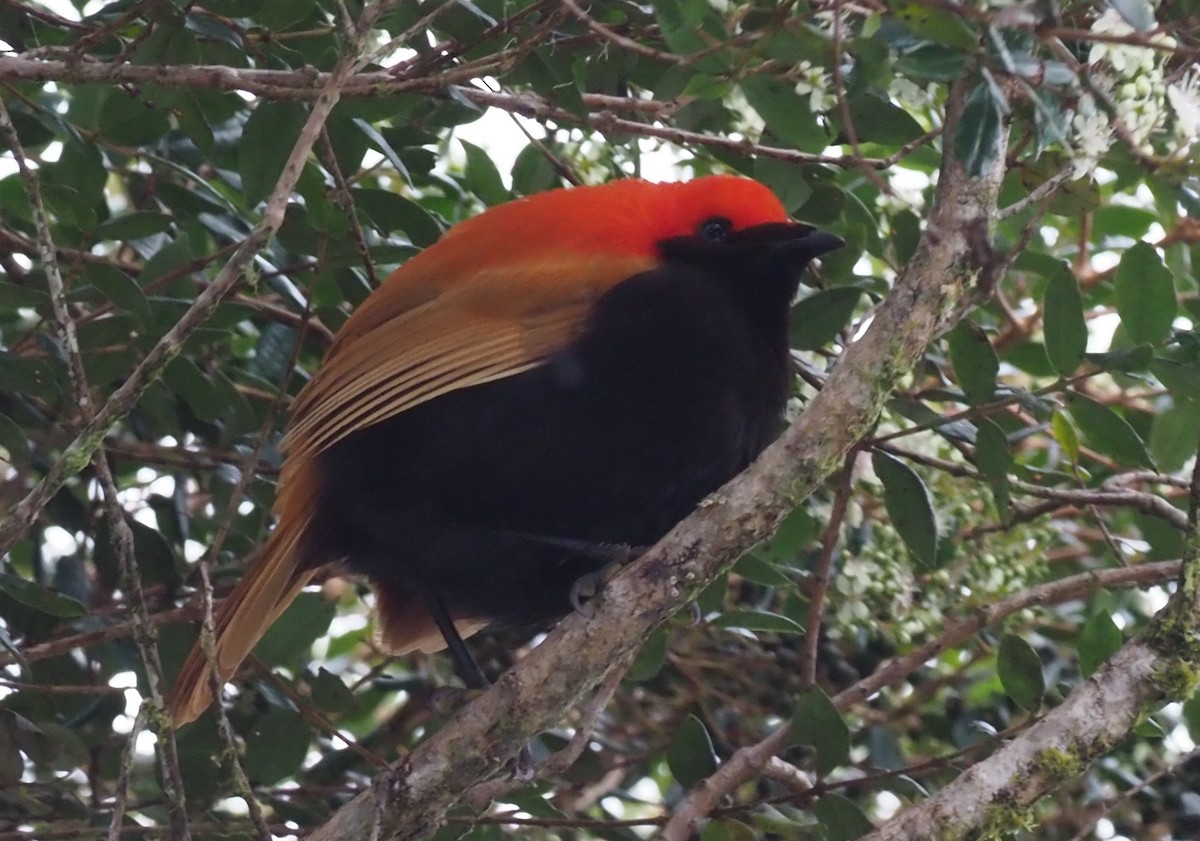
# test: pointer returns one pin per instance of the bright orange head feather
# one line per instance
(624, 218)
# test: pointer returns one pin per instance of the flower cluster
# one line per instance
(1145, 104)
(879, 591)
(815, 82)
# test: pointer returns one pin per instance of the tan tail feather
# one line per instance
(268, 587)
(405, 625)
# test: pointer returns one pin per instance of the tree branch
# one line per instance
(302, 86)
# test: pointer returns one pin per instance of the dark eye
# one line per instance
(716, 229)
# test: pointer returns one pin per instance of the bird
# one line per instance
(552, 385)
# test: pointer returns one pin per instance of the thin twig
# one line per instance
(819, 580)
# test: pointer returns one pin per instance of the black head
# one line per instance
(764, 261)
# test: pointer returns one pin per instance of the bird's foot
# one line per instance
(522, 767)
(587, 586)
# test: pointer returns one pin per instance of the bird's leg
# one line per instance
(589, 585)
(521, 765)
(472, 676)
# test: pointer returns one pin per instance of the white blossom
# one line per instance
(816, 84)
(1184, 97)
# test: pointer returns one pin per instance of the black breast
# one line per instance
(674, 386)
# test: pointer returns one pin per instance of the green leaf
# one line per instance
(992, 454)
(292, 635)
(1175, 435)
(14, 652)
(649, 660)
(31, 131)
(329, 692)
(824, 205)
(133, 226)
(785, 113)
(1099, 640)
(932, 63)
(786, 180)
(41, 598)
(707, 87)
(1119, 220)
(758, 620)
(532, 172)
(33, 741)
(909, 508)
(1020, 672)
(876, 120)
(994, 458)
(1181, 379)
(794, 533)
(279, 16)
(267, 140)
(390, 212)
(120, 289)
(690, 756)
(1191, 714)
(350, 143)
(132, 120)
(62, 749)
(1107, 431)
(818, 319)
(1148, 728)
(1127, 360)
(184, 378)
(167, 260)
(1065, 327)
(817, 722)
(1145, 294)
(33, 376)
(12, 765)
(385, 148)
(975, 362)
(728, 829)
(14, 443)
(1063, 430)
(1166, 542)
(977, 138)
(937, 25)
(841, 818)
(483, 179)
(276, 746)
(751, 566)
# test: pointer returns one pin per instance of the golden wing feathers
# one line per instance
(412, 342)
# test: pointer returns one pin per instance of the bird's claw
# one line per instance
(587, 586)
(522, 767)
